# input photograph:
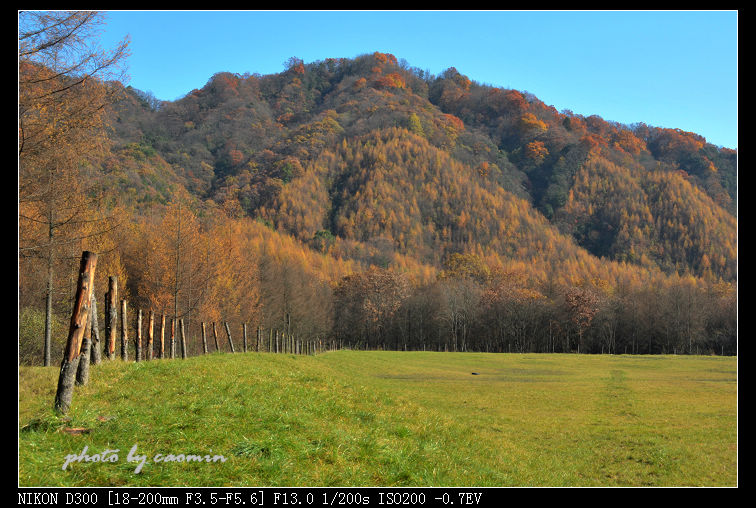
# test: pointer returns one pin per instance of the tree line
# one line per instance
(470, 307)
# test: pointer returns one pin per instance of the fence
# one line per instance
(84, 346)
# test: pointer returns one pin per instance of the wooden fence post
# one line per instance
(150, 336)
(96, 347)
(111, 317)
(124, 332)
(183, 339)
(215, 337)
(161, 349)
(244, 334)
(277, 341)
(204, 339)
(82, 371)
(138, 345)
(228, 334)
(79, 321)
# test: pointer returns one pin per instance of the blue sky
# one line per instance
(668, 69)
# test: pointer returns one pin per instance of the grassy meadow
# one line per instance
(351, 418)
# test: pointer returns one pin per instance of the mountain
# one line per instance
(381, 158)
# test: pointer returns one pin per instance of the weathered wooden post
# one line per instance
(96, 347)
(111, 317)
(79, 321)
(259, 337)
(138, 345)
(270, 340)
(244, 336)
(161, 348)
(228, 334)
(215, 337)
(277, 341)
(150, 336)
(183, 339)
(82, 370)
(204, 339)
(124, 332)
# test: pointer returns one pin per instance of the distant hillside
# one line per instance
(371, 150)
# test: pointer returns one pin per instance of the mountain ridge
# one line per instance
(272, 147)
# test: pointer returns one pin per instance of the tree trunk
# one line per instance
(79, 321)
(48, 313)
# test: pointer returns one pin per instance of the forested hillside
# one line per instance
(374, 203)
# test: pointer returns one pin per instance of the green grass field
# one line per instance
(352, 418)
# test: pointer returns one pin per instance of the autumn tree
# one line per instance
(513, 311)
(365, 303)
(582, 303)
(62, 96)
(462, 280)
(172, 259)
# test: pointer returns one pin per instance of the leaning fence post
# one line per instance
(79, 322)
(228, 334)
(215, 337)
(111, 317)
(124, 332)
(183, 339)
